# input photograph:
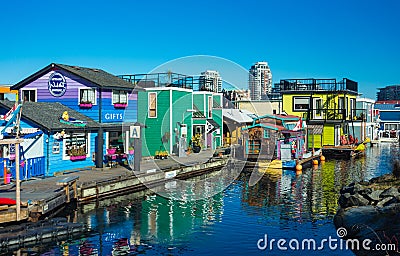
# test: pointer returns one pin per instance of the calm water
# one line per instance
(282, 205)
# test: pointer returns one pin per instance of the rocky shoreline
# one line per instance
(371, 210)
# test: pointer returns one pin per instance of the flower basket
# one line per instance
(111, 151)
(77, 158)
(120, 105)
(196, 149)
(85, 105)
(8, 178)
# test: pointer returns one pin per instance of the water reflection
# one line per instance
(284, 204)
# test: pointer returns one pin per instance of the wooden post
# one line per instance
(18, 189)
(5, 170)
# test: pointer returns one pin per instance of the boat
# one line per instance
(7, 201)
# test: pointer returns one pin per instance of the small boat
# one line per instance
(278, 164)
(7, 201)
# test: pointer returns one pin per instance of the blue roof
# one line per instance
(387, 106)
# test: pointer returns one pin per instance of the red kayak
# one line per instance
(7, 201)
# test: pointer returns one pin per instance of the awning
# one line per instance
(236, 115)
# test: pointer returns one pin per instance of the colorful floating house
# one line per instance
(280, 137)
(50, 146)
(100, 96)
(387, 121)
(207, 120)
(173, 113)
(327, 105)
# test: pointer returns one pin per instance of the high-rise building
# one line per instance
(388, 93)
(260, 81)
(210, 80)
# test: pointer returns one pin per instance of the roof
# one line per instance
(267, 126)
(236, 115)
(281, 117)
(47, 114)
(197, 113)
(99, 77)
(387, 107)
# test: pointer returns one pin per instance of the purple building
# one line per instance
(100, 96)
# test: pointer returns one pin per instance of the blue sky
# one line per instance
(299, 39)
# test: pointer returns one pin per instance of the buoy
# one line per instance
(322, 158)
(299, 172)
(299, 167)
(315, 162)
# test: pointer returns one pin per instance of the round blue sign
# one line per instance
(57, 84)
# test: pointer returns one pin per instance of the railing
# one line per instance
(335, 114)
(160, 80)
(32, 167)
(317, 85)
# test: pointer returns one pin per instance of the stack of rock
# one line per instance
(362, 194)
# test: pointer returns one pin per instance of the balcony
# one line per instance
(317, 85)
(335, 115)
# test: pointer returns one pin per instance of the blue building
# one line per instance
(106, 102)
(389, 120)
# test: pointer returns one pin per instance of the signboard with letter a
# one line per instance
(135, 132)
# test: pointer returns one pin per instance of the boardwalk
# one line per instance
(42, 195)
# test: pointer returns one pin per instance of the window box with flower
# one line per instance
(77, 154)
(85, 104)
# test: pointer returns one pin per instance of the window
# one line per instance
(153, 104)
(301, 103)
(210, 106)
(87, 96)
(76, 144)
(318, 106)
(29, 95)
(119, 96)
(266, 134)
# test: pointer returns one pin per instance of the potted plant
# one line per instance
(8, 176)
(111, 151)
(197, 143)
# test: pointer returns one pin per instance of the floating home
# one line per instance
(327, 105)
(50, 145)
(280, 137)
(100, 96)
(173, 113)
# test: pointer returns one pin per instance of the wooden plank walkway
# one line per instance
(45, 195)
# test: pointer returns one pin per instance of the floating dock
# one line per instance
(44, 197)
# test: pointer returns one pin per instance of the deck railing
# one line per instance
(31, 167)
(335, 114)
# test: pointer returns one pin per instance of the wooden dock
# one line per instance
(43, 197)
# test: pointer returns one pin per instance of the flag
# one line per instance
(299, 125)
(8, 116)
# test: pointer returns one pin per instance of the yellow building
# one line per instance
(328, 106)
(7, 93)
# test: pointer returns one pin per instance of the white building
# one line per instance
(260, 81)
(210, 80)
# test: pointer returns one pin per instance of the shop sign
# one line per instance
(135, 132)
(113, 116)
(57, 84)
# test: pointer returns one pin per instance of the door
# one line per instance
(317, 110)
(337, 135)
